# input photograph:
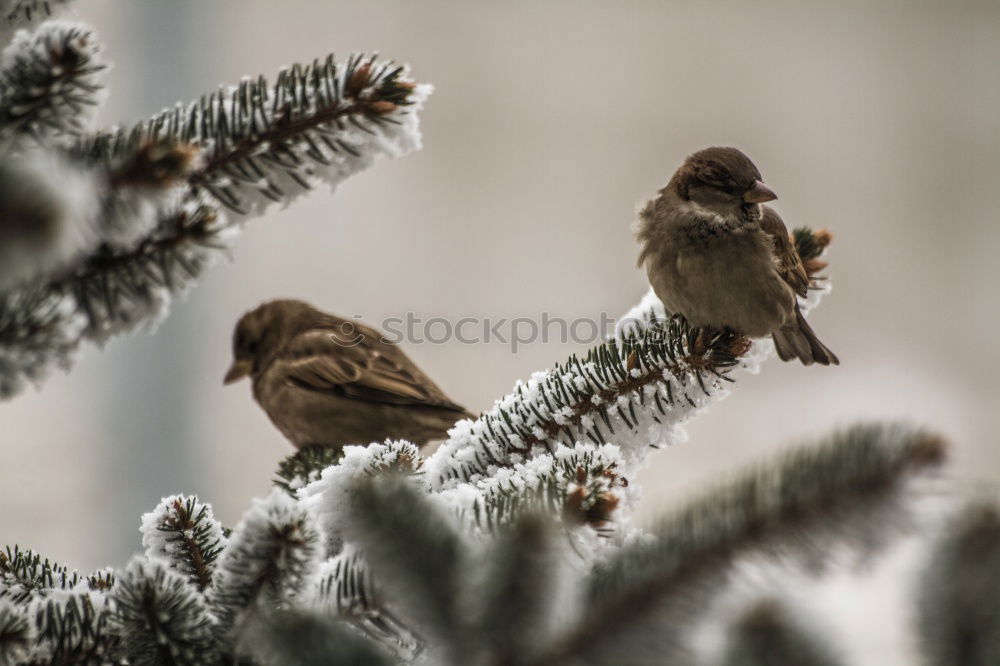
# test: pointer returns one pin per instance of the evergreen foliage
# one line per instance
(16, 636)
(161, 618)
(512, 543)
(959, 604)
(305, 466)
(136, 214)
(185, 533)
(767, 636)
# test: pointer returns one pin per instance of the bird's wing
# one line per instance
(789, 263)
(363, 367)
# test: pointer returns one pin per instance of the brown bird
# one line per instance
(714, 254)
(330, 381)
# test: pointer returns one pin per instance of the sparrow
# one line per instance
(714, 254)
(330, 381)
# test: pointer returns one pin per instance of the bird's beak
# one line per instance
(238, 370)
(759, 193)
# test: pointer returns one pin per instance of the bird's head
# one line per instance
(723, 180)
(260, 332)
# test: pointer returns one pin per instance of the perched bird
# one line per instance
(714, 254)
(330, 381)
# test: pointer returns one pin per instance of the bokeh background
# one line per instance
(550, 122)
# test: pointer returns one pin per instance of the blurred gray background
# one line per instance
(550, 122)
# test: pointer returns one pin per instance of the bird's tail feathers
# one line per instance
(796, 339)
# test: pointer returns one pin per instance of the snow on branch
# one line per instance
(26, 11)
(300, 639)
(769, 634)
(25, 576)
(161, 617)
(305, 466)
(417, 552)
(137, 216)
(958, 619)
(109, 294)
(849, 489)
(16, 635)
(68, 612)
(271, 556)
(631, 393)
(525, 454)
(579, 486)
(513, 590)
(183, 533)
(49, 81)
(328, 497)
(19, 14)
(317, 123)
(634, 390)
(72, 627)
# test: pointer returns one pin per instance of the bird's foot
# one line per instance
(700, 345)
(733, 342)
(727, 341)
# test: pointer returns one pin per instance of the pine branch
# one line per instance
(73, 628)
(840, 491)
(625, 392)
(111, 294)
(767, 636)
(415, 552)
(810, 246)
(579, 486)
(330, 497)
(14, 11)
(49, 210)
(152, 226)
(21, 14)
(25, 576)
(305, 466)
(634, 390)
(37, 331)
(270, 556)
(959, 601)
(69, 611)
(49, 83)
(321, 121)
(162, 618)
(268, 143)
(346, 585)
(16, 635)
(62, 213)
(519, 593)
(296, 639)
(142, 179)
(184, 534)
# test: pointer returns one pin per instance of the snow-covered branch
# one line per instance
(183, 532)
(99, 235)
(49, 81)
(21, 14)
(849, 489)
(270, 559)
(959, 608)
(161, 617)
(634, 390)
